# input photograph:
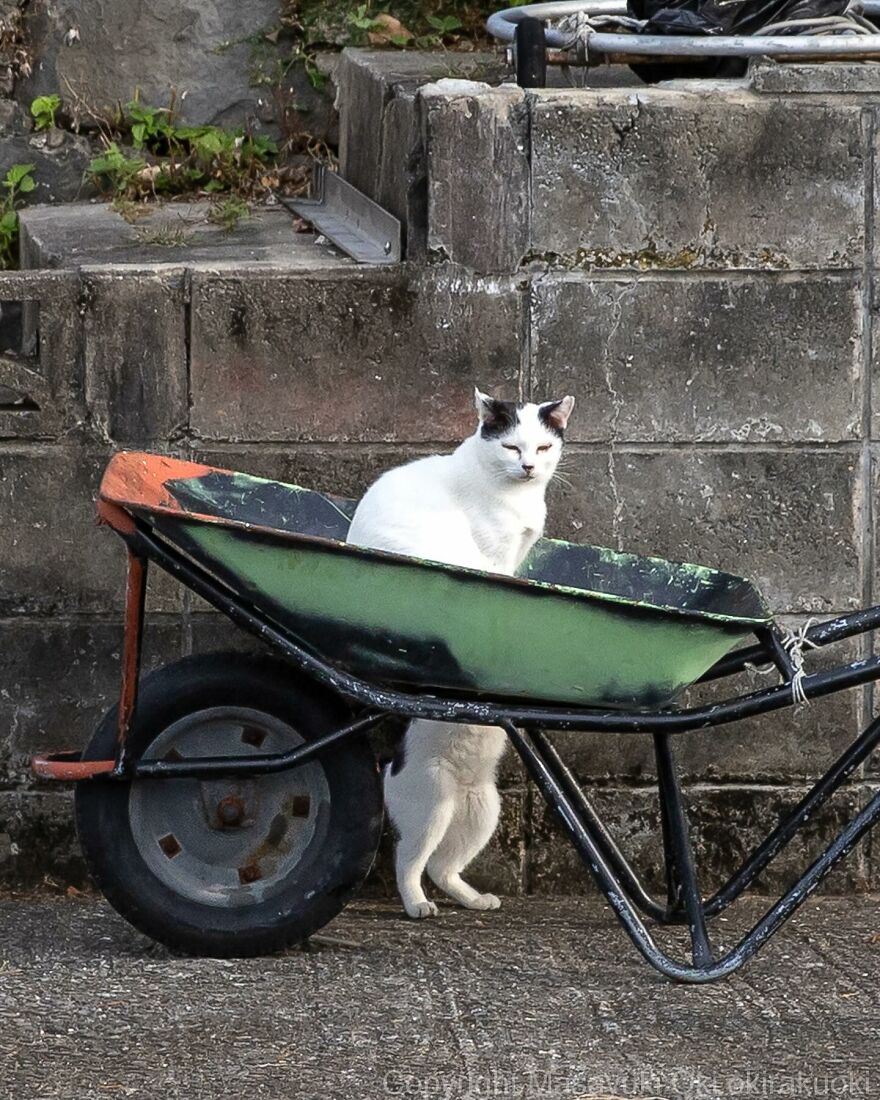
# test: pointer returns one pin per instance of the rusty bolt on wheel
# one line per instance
(230, 812)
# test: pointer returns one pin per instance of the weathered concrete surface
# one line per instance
(773, 358)
(42, 378)
(135, 356)
(685, 175)
(177, 235)
(545, 998)
(486, 131)
(54, 559)
(369, 80)
(839, 77)
(625, 179)
(199, 52)
(263, 352)
(57, 680)
(727, 823)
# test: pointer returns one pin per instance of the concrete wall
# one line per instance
(696, 265)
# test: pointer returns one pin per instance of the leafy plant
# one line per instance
(116, 172)
(43, 109)
(361, 20)
(171, 159)
(228, 212)
(444, 24)
(19, 180)
(149, 125)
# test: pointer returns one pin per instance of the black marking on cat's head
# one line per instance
(554, 415)
(497, 418)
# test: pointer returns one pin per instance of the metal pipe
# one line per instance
(217, 767)
(760, 932)
(787, 829)
(135, 601)
(681, 876)
(593, 824)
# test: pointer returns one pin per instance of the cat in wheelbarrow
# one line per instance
(481, 507)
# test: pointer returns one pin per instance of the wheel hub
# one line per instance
(228, 842)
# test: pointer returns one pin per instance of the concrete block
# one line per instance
(476, 132)
(343, 471)
(875, 518)
(402, 181)
(673, 179)
(362, 98)
(135, 347)
(828, 78)
(771, 359)
(58, 677)
(41, 386)
(369, 81)
(787, 519)
(53, 557)
(726, 824)
(332, 358)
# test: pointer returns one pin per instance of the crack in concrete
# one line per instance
(624, 129)
(617, 404)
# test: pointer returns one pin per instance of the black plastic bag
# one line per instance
(710, 17)
(744, 17)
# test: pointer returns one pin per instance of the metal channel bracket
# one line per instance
(354, 223)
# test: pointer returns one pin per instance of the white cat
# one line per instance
(482, 507)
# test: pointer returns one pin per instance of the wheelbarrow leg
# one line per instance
(593, 824)
(135, 598)
(681, 877)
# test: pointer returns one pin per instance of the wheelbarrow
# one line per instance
(230, 804)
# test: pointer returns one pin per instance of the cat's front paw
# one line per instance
(419, 909)
(485, 901)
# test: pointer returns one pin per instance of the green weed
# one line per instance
(43, 110)
(19, 180)
(170, 159)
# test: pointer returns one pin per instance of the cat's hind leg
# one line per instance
(473, 822)
(420, 803)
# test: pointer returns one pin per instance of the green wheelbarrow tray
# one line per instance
(581, 625)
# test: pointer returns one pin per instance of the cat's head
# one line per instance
(522, 442)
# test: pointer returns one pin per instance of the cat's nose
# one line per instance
(528, 469)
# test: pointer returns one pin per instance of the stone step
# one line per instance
(94, 236)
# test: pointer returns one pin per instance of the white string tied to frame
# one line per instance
(580, 26)
(794, 643)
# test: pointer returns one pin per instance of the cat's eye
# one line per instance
(510, 447)
(544, 447)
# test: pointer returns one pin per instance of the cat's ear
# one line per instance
(484, 404)
(496, 417)
(555, 414)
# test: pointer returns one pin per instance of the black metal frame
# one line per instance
(524, 724)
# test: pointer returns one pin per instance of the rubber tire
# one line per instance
(530, 51)
(320, 890)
